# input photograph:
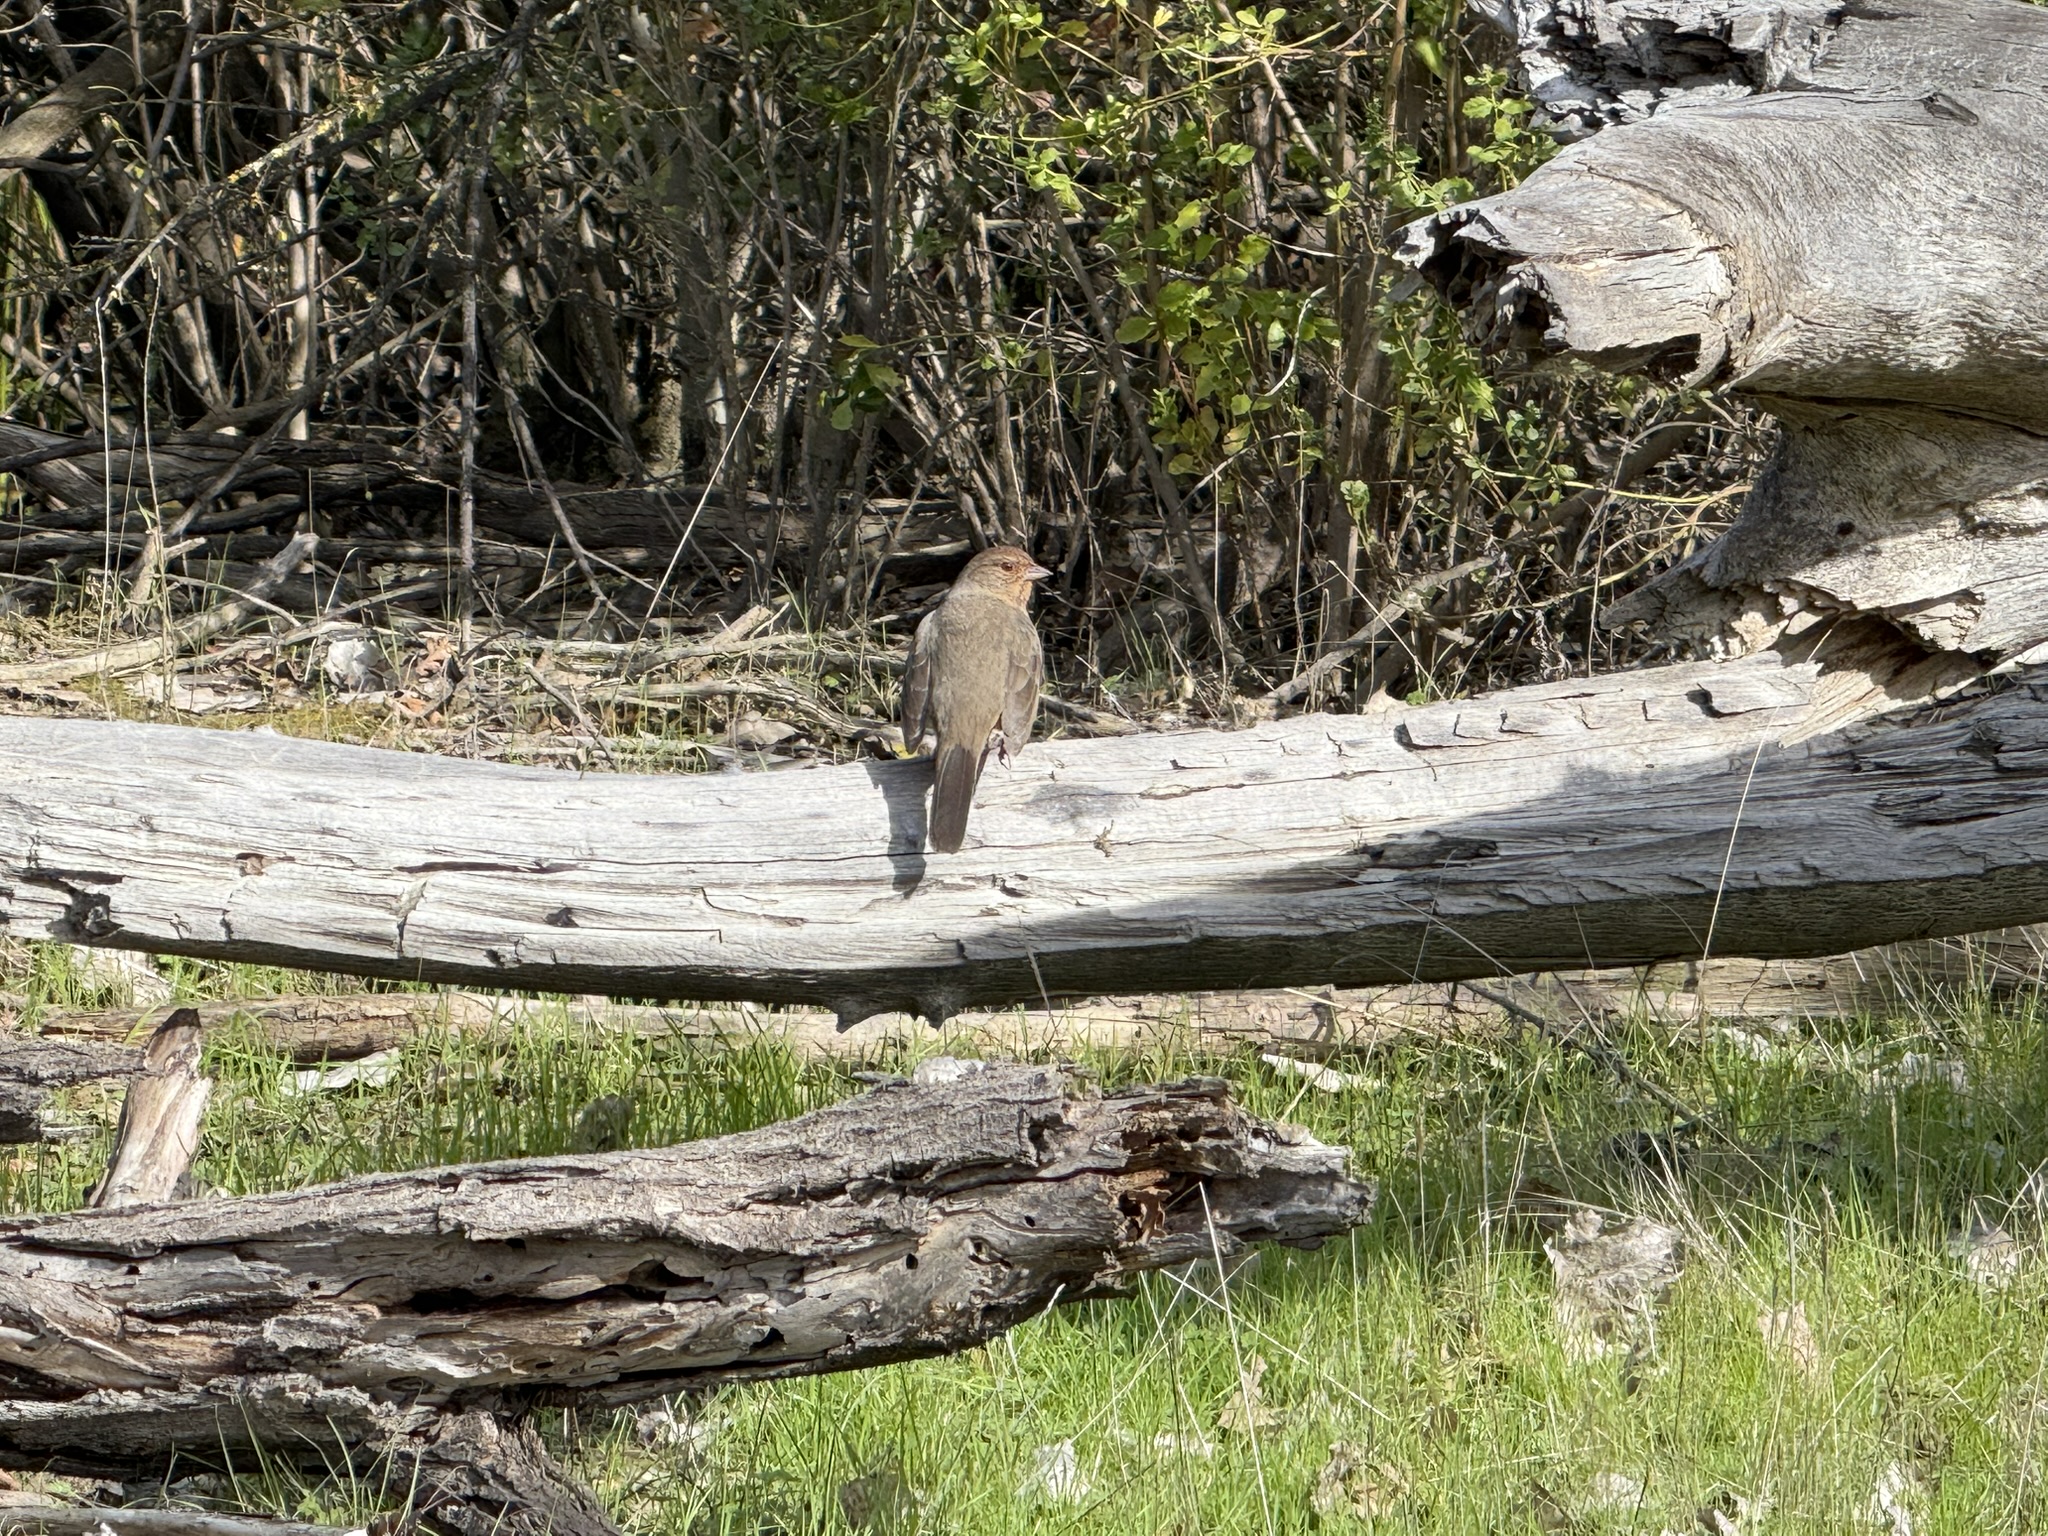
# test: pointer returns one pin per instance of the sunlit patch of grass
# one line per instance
(1829, 1169)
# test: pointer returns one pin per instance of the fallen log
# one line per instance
(1615, 821)
(65, 1520)
(341, 1320)
(32, 1070)
(342, 1027)
(1824, 208)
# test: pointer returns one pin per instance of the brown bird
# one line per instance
(975, 668)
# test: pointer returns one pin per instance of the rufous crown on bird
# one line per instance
(1004, 570)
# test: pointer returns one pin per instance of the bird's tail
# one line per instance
(953, 780)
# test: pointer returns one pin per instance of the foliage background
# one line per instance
(894, 279)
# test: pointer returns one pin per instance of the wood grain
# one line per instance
(1609, 822)
(911, 1221)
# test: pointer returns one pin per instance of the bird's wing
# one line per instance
(1020, 691)
(917, 680)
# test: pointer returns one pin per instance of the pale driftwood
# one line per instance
(1611, 822)
(67, 1520)
(912, 1221)
(135, 655)
(1832, 210)
(159, 1130)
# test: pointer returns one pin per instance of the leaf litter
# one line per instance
(1610, 1280)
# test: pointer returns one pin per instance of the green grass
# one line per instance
(1425, 1343)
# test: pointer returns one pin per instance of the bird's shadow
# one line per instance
(906, 788)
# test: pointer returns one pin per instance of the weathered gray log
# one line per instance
(158, 1134)
(69, 1520)
(1617, 821)
(31, 1070)
(913, 1221)
(1834, 210)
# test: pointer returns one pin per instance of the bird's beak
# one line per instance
(1037, 573)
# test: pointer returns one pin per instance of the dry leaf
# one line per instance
(1991, 1256)
(1246, 1412)
(1055, 1476)
(1608, 1282)
(1351, 1484)
(1788, 1337)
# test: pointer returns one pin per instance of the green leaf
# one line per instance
(842, 416)
(1136, 328)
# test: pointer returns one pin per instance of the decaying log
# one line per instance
(159, 1129)
(1833, 210)
(32, 1069)
(1616, 821)
(912, 1221)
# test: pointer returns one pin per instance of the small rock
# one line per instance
(1608, 1282)
(601, 1125)
(880, 1500)
(1788, 1337)
(353, 664)
(1055, 1476)
(1888, 1501)
(1991, 1256)
(757, 733)
(1614, 1491)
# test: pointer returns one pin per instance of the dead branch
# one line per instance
(918, 1220)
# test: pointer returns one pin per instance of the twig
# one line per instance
(1605, 1055)
(1337, 654)
(195, 631)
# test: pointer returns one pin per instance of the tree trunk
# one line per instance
(1834, 210)
(915, 1220)
(1618, 821)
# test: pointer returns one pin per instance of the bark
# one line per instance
(326, 1323)
(355, 478)
(1616, 821)
(68, 1520)
(1832, 210)
(31, 1070)
(159, 1130)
